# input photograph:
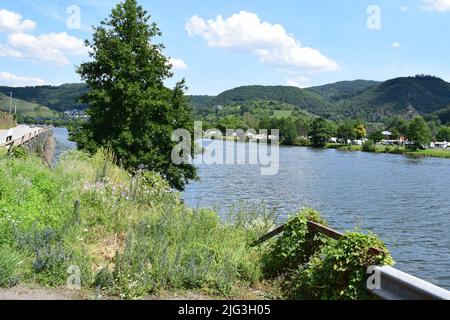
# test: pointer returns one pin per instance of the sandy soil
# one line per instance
(29, 293)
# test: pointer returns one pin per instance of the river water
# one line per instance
(406, 201)
(62, 143)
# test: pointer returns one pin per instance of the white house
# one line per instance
(440, 145)
(387, 135)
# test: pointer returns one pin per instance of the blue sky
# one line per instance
(284, 42)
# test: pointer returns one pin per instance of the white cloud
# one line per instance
(51, 47)
(404, 8)
(269, 42)
(177, 64)
(13, 22)
(436, 5)
(395, 45)
(13, 80)
(6, 51)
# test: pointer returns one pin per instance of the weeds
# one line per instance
(130, 235)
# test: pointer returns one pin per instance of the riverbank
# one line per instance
(90, 222)
(435, 153)
(86, 228)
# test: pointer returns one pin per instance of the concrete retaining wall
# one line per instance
(43, 145)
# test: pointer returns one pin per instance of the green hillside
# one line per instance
(369, 100)
(6, 121)
(303, 99)
(59, 98)
(26, 108)
(401, 96)
(443, 115)
(335, 92)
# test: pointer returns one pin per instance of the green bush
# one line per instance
(299, 141)
(369, 146)
(339, 270)
(295, 246)
(19, 152)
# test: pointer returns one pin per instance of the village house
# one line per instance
(440, 145)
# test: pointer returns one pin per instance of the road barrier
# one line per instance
(23, 139)
(394, 284)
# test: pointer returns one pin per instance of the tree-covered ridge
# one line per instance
(303, 99)
(342, 90)
(58, 98)
(369, 100)
(443, 115)
(408, 97)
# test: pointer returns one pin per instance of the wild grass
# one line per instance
(129, 235)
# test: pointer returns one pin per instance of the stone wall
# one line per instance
(43, 145)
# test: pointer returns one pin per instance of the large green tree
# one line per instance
(419, 133)
(444, 134)
(320, 132)
(131, 112)
(346, 131)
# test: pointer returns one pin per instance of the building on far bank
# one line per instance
(440, 145)
(387, 135)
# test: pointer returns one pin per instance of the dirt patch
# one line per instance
(30, 293)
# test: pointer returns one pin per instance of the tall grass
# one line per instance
(129, 235)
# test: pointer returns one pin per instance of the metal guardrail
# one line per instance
(399, 285)
(394, 284)
(23, 139)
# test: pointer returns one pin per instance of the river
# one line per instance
(405, 201)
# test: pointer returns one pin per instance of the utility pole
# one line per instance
(15, 107)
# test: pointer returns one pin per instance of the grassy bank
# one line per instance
(436, 153)
(130, 236)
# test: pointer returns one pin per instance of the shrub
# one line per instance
(295, 246)
(300, 141)
(369, 146)
(48, 256)
(338, 271)
(19, 152)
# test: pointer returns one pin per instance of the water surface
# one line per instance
(406, 201)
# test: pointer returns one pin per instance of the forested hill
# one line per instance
(407, 97)
(303, 99)
(343, 90)
(58, 98)
(369, 100)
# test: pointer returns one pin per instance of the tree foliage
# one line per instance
(320, 132)
(419, 133)
(376, 136)
(346, 131)
(131, 111)
(444, 134)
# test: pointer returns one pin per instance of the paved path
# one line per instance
(17, 132)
